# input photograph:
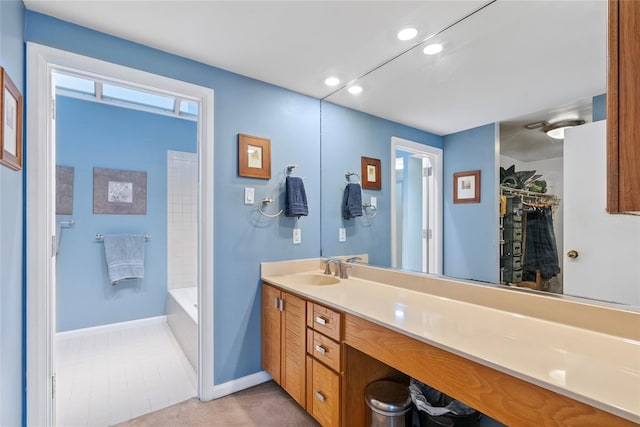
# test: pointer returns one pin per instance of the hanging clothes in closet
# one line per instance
(540, 253)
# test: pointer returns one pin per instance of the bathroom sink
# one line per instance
(315, 279)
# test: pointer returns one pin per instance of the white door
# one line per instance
(607, 265)
(416, 206)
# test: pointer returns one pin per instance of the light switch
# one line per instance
(374, 202)
(297, 236)
(342, 235)
(249, 195)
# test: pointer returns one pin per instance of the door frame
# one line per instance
(435, 200)
(40, 216)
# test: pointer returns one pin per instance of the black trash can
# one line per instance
(390, 404)
(456, 413)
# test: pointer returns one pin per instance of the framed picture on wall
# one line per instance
(254, 156)
(466, 187)
(11, 129)
(371, 174)
(118, 191)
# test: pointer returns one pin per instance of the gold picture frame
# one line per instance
(466, 187)
(11, 129)
(254, 156)
(371, 173)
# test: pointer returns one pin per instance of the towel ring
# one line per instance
(267, 201)
(366, 206)
(348, 175)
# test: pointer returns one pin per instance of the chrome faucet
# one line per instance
(337, 262)
(344, 267)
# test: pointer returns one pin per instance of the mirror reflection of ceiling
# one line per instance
(507, 60)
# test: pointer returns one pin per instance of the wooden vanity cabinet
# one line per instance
(324, 363)
(283, 340)
(623, 108)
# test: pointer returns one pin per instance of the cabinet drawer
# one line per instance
(323, 320)
(324, 349)
(323, 393)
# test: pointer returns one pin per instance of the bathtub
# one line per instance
(182, 317)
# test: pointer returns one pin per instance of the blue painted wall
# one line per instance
(11, 234)
(347, 135)
(470, 230)
(599, 111)
(242, 238)
(91, 135)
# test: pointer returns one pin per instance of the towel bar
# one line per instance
(100, 237)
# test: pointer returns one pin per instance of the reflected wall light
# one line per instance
(555, 130)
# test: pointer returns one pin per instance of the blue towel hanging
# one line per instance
(296, 197)
(352, 201)
(125, 256)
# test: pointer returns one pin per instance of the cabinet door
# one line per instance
(293, 347)
(623, 108)
(271, 332)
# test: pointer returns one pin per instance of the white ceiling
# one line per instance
(508, 60)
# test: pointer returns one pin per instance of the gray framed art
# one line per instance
(118, 191)
(64, 190)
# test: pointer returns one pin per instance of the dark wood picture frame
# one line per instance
(370, 172)
(466, 187)
(254, 156)
(11, 128)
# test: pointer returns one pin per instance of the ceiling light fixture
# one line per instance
(354, 90)
(332, 81)
(432, 49)
(407, 34)
(555, 130)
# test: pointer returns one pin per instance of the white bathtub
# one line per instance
(182, 317)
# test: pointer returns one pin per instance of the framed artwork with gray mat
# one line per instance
(118, 191)
(64, 190)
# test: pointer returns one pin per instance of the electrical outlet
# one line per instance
(342, 235)
(249, 194)
(297, 236)
(374, 202)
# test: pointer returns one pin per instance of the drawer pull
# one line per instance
(320, 349)
(321, 320)
(275, 303)
(320, 396)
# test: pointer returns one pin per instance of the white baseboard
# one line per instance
(110, 327)
(236, 385)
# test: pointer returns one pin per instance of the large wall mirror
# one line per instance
(508, 72)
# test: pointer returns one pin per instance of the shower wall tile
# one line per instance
(182, 226)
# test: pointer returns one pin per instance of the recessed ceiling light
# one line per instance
(354, 90)
(432, 49)
(332, 81)
(407, 34)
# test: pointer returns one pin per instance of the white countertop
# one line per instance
(598, 369)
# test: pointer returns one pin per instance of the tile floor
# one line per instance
(110, 377)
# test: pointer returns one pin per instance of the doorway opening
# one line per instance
(46, 231)
(416, 206)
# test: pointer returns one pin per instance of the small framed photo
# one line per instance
(254, 156)
(11, 129)
(371, 174)
(466, 187)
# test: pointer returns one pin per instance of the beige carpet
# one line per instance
(263, 405)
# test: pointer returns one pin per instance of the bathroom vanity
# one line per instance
(517, 357)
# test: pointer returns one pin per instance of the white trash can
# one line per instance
(390, 404)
